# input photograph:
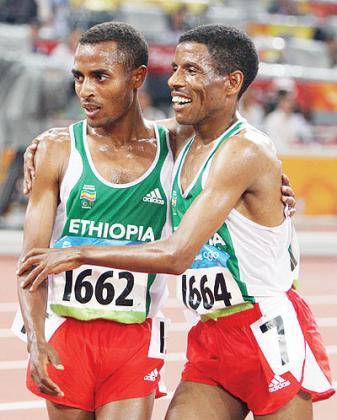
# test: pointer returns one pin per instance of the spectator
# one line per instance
(271, 96)
(284, 7)
(329, 38)
(324, 34)
(331, 43)
(178, 22)
(64, 51)
(251, 109)
(18, 11)
(61, 18)
(284, 126)
(35, 27)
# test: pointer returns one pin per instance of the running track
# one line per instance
(318, 285)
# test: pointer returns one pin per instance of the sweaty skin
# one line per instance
(238, 184)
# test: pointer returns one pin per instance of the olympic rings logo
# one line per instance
(210, 255)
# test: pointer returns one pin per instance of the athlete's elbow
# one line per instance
(179, 262)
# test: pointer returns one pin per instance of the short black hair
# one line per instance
(230, 48)
(131, 45)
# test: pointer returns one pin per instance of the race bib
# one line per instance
(279, 336)
(209, 285)
(91, 292)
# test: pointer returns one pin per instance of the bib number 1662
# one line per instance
(102, 289)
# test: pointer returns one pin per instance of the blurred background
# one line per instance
(294, 100)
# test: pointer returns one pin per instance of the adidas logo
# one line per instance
(277, 383)
(154, 197)
(152, 376)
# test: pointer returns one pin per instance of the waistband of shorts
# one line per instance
(107, 322)
(243, 314)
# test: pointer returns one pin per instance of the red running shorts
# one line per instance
(264, 356)
(104, 361)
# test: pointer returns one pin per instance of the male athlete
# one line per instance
(102, 181)
(228, 169)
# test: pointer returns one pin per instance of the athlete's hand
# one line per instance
(45, 261)
(29, 168)
(288, 195)
(40, 356)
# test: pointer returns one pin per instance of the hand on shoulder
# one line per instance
(53, 143)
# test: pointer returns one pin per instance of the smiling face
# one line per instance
(105, 88)
(198, 90)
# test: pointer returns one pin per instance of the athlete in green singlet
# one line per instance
(101, 181)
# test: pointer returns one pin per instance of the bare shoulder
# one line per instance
(247, 155)
(258, 138)
(253, 143)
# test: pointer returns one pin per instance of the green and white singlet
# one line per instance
(242, 263)
(93, 211)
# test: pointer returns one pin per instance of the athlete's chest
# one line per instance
(193, 165)
(124, 165)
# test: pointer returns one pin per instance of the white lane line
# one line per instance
(327, 322)
(22, 405)
(321, 300)
(331, 350)
(13, 364)
(6, 333)
(9, 307)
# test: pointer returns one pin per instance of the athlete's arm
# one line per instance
(38, 227)
(225, 185)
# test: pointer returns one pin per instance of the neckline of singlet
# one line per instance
(229, 132)
(127, 184)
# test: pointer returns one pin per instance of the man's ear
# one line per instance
(235, 81)
(138, 76)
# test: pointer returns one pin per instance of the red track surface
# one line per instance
(318, 280)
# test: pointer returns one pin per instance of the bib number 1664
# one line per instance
(203, 292)
(209, 289)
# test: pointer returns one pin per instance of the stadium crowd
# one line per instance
(293, 99)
